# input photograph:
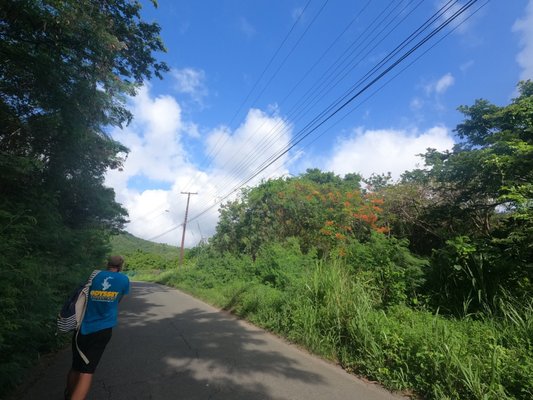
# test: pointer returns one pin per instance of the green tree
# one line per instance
(473, 206)
(320, 209)
(67, 68)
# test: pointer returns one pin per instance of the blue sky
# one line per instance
(249, 79)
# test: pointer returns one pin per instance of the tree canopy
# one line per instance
(66, 71)
(469, 211)
(472, 207)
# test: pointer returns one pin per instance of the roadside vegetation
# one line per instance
(67, 67)
(423, 285)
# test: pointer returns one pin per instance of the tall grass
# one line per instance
(340, 315)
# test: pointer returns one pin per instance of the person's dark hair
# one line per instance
(115, 262)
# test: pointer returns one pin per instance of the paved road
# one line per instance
(169, 345)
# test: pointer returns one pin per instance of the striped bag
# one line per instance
(72, 312)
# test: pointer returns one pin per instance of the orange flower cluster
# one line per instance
(354, 209)
(376, 200)
(370, 219)
(350, 195)
(344, 213)
(325, 231)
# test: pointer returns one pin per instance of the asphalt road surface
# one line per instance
(169, 345)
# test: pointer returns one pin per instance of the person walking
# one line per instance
(107, 290)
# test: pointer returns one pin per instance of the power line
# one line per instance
(343, 102)
(403, 69)
(246, 162)
(309, 125)
(291, 50)
(271, 60)
(214, 153)
(367, 81)
(267, 84)
(265, 143)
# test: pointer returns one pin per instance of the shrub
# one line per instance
(389, 264)
(281, 265)
(336, 310)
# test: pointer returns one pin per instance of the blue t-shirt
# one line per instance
(105, 293)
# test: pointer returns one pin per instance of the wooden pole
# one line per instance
(184, 227)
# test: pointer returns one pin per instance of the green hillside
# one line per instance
(127, 245)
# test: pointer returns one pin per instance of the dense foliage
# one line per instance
(339, 314)
(321, 209)
(422, 284)
(66, 69)
(472, 209)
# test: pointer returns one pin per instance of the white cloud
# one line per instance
(153, 138)
(246, 27)
(466, 66)
(441, 85)
(157, 153)
(444, 83)
(251, 145)
(148, 212)
(525, 28)
(416, 104)
(192, 130)
(382, 151)
(192, 82)
(432, 91)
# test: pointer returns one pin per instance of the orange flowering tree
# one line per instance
(351, 214)
(322, 210)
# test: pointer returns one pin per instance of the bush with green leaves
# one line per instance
(337, 311)
(282, 264)
(388, 262)
(142, 261)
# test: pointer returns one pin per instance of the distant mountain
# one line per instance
(127, 244)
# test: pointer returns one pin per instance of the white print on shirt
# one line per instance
(106, 285)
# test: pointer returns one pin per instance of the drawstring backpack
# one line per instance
(71, 315)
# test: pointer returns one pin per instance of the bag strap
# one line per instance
(93, 275)
(87, 287)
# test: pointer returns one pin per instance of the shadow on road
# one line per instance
(169, 345)
(168, 350)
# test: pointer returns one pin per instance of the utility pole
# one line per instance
(184, 226)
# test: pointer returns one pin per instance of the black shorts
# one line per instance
(93, 346)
